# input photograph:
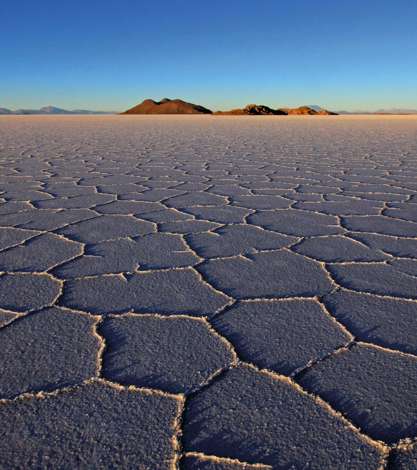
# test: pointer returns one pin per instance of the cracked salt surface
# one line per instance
(208, 293)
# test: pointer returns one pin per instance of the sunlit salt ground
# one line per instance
(208, 292)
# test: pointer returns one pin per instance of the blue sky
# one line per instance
(220, 53)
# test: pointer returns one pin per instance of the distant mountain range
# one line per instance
(177, 106)
(51, 110)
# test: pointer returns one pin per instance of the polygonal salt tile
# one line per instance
(407, 266)
(60, 190)
(385, 197)
(270, 274)
(77, 202)
(388, 322)
(113, 179)
(353, 207)
(39, 254)
(270, 192)
(220, 214)
(296, 222)
(11, 236)
(382, 225)
(152, 195)
(46, 219)
(334, 249)
(270, 333)
(166, 215)
(229, 190)
(375, 188)
(107, 227)
(304, 197)
(237, 239)
(154, 251)
(11, 207)
(129, 207)
(375, 278)
(168, 292)
(317, 188)
(161, 184)
(406, 212)
(188, 226)
(376, 389)
(92, 426)
(192, 186)
(262, 202)
(402, 247)
(46, 350)
(263, 184)
(256, 417)
(26, 195)
(195, 198)
(151, 351)
(121, 189)
(22, 292)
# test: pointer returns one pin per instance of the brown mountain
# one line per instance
(326, 112)
(307, 110)
(167, 106)
(251, 109)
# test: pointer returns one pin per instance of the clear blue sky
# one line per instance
(108, 54)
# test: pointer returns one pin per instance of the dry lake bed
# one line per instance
(208, 292)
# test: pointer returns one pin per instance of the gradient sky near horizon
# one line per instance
(110, 55)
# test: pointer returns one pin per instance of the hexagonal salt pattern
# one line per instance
(176, 354)
(208, 293)
(93, 425)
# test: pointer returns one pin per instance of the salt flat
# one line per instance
(208, 292)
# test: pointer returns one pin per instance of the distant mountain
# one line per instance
(51, 110)
(251, 109)
(261, 110)
(167, 106)
(326, 112)
(87, 111)
(300, 110)
(308, 110)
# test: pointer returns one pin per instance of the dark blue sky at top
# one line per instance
(112, 54)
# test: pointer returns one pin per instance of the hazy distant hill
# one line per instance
(396, 111)
(50, 110)
(167, 106)
(392, 111)
(53, 110)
